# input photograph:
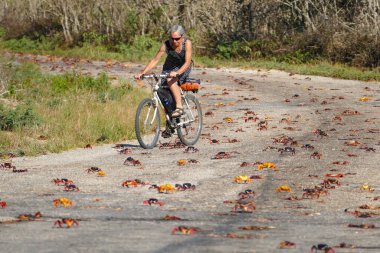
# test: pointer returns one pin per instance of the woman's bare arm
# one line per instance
(153, 62)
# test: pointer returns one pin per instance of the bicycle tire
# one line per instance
(190, 133)
(147, 134)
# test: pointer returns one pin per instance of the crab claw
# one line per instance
(58, 222)
(174, 231)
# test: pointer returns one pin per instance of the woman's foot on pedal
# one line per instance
(166, 133)
(178, 112)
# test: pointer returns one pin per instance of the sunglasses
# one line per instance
(176, 39)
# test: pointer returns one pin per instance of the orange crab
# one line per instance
(366, 187)
(29, 217)
(101, 173)
(181, 162)
(266, 165)
(166, 188)
(242, 180)
(286, 244)
(134, 183)
(62, 201)
(228, 120)
(182, 230)
(67, 221)
(283, 188)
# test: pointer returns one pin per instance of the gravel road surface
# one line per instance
(299, 111)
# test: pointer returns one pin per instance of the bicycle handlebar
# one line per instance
(154, 76)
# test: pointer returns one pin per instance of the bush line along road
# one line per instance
(254, 117)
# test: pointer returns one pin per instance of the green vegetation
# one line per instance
(255, 54)
(43, 113)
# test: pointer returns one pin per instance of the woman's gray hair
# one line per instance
(177, 28)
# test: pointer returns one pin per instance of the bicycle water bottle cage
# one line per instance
(191, 84)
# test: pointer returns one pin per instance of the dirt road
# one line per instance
(296, 111)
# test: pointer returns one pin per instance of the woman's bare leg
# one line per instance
(172, 82)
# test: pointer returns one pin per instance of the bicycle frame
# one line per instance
(157, 101)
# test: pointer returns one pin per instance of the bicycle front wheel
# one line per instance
(147, 123)
(190, 127)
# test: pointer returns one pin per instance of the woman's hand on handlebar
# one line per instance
(138, 76)
(173, 74)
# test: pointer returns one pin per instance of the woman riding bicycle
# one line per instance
(178, 63)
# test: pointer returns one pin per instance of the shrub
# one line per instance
(75, 81)
(18, 117)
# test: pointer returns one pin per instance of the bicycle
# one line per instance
(148, 119)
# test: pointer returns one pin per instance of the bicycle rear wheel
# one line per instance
(147, 123)
(191, 129)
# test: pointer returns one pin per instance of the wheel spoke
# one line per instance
(190, 131)
(147, 124)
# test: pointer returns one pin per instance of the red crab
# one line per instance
(62, 181)
(368, 149)
(239, 130)
(262, 125)
(93, 170)
(153, 201)
(71, 188)
(66, 221)
(245, 205)
(232, 140)
(315, 155)
(250, 119)
(131, 161)
(320, 133)
(315, 192)
(337, 119)
(3, 204)
(214, 141)
(285, 121)
(247, 194)
(340, 162)
(185, 186)
(308, 146)
(330, 183)
(191, 149)
(87, 146)
(125, 151)
(322, 247)
(209, 113)
(222, 155)
(350, 112)
(244, 164)
(288, 150)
